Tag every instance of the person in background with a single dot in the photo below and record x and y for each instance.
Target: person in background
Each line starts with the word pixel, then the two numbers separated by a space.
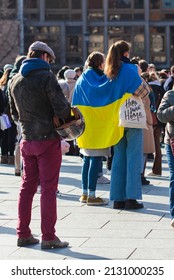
pixel 79 71
pixel 148 136
pixel 67 89
pixel 37 102
pixel 145 70
pixel 60 73
pixel 1 102
pixel 70 78
pixel 170 80
pixel 143 65
pixel 17 155
pixel 61 80
pixel 126 185
pixel 163 75
pixel 2 107
pixel 151 68
pixel 109 161
pixel 165 114
pixel 9 134
pixel 158 91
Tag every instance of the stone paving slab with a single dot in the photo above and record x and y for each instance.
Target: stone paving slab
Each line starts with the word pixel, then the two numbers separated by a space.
pixel 115 242
pixel 153 254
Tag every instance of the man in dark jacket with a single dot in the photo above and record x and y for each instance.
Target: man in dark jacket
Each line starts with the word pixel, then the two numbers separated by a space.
pixel 37 102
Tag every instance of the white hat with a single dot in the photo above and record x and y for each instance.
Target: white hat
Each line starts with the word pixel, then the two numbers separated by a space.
pixel 69 74
pixel 41 46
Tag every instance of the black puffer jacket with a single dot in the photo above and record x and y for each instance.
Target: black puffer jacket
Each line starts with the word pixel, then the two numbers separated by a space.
pixel 35 98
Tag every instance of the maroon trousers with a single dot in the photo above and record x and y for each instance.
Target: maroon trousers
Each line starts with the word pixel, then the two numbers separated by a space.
pixel 41 161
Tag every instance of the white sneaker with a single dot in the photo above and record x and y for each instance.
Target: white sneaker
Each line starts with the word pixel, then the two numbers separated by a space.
pixel 103 180
pixel 108 172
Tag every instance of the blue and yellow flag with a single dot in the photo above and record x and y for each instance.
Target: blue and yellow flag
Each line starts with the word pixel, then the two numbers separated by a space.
pixel 99 100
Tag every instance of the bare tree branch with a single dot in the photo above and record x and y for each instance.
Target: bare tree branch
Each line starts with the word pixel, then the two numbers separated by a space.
pixel 9 32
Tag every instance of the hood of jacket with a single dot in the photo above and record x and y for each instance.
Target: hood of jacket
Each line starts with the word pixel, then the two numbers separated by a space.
pixel 33 64
pixel 93 78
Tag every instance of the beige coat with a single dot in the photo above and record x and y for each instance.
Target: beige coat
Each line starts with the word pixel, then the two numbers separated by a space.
pixel 148 137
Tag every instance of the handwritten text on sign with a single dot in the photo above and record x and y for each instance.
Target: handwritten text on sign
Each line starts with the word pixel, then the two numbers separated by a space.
pixel 133 110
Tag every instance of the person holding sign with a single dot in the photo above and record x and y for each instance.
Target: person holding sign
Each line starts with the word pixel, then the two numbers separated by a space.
pixel 126 187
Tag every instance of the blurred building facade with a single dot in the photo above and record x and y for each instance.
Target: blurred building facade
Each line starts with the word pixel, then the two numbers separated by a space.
pixel 74 28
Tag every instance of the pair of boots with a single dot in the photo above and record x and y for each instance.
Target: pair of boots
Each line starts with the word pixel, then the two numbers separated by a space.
pixel 7 160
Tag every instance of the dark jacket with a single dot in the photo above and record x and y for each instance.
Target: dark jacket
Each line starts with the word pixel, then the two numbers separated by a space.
pixel 165 114
pixel 158 94
pixel 168 83
pixel 2 102
pixel 35 98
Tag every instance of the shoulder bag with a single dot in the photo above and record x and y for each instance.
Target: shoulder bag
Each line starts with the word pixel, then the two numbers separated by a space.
pixel 132 113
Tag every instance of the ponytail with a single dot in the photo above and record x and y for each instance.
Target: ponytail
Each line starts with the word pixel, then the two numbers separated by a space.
pixel 113 61
pixel 114 57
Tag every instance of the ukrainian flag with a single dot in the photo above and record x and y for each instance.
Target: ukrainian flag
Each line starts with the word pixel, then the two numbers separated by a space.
pixel 99 100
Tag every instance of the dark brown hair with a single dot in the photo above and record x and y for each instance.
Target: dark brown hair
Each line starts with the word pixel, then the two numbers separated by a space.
pixel 113 58
pixel 37 54
pixel 95 59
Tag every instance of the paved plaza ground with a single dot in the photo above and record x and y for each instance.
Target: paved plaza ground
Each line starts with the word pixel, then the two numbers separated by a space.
pixel 94 232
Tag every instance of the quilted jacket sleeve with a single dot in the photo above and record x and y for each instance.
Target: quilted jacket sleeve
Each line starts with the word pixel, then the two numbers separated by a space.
pixel 165 111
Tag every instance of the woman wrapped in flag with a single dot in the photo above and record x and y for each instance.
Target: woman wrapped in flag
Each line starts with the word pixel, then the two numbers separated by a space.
pixel 93 157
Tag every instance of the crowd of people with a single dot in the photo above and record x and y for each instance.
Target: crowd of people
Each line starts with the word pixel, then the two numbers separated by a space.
pixel 35 100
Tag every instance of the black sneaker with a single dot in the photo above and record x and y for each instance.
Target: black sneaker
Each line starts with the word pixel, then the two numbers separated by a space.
pixel 144 181
pixel 150 157
pixel 119 205
pixel 133 204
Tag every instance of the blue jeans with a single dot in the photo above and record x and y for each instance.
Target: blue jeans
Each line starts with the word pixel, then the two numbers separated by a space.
pixel 170 159
pixel 90 171
pixel 126 166
pixel 100 171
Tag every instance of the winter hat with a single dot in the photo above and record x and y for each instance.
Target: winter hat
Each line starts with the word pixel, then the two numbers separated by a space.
pixel 19 60
pixel 17 65
pixel 69 74
pixel 41 46
pixel 7 67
